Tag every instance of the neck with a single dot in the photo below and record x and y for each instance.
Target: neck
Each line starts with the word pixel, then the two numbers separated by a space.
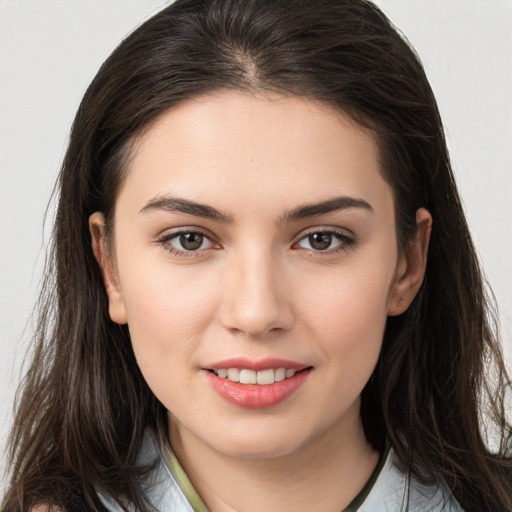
pixel 324 475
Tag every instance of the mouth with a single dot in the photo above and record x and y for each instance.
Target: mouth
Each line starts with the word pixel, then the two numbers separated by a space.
pixel 257 384
pixel 262 378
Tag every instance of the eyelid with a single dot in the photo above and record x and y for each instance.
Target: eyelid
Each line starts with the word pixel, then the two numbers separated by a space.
pixel 166 236
pixel 347 238
pixel 325 229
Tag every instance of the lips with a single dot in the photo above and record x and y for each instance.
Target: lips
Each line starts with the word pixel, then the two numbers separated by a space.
pixel 256 384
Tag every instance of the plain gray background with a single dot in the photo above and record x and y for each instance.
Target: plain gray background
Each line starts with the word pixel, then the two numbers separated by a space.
pixel 51 49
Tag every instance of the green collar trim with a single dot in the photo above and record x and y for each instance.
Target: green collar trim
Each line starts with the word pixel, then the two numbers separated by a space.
pixel 361 497
pixel 198 505
pixel 182 480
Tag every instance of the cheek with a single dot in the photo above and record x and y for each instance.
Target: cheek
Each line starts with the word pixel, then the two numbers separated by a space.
pixel 354 300
pixel 347 316
pixel 167 313
pixel 156 294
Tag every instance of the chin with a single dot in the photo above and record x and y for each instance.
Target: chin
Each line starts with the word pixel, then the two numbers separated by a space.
pixel 258 443
pixel 255 450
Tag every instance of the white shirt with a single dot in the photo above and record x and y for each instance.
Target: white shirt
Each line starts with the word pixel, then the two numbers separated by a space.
pixel 391 492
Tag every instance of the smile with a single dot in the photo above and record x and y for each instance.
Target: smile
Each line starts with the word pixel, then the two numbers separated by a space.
pixel 262 377
pixel 258 388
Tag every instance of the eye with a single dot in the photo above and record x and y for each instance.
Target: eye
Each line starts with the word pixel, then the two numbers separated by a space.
pixel 325 241
pixel 185 242
pixel 191 241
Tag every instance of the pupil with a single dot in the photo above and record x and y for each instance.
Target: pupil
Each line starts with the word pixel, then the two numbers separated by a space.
pixel 320 241
pixel 191 241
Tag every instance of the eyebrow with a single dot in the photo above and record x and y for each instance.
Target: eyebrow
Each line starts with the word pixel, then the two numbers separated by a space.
pixel 180 205
pixel 328 206
pixel 176 204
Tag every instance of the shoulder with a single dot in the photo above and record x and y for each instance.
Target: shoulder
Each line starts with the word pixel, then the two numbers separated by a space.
pixel 396 491
pixel 160 487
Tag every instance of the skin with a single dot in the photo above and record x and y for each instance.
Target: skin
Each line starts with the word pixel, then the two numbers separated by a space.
pixel 257 288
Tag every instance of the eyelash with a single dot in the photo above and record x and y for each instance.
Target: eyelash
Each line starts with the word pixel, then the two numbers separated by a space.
pixel 346 241
pixel 165 239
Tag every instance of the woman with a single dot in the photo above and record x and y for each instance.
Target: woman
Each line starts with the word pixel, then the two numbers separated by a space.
pixel 266 295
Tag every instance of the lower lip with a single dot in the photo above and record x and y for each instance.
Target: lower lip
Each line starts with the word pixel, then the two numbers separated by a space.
pixel 254 396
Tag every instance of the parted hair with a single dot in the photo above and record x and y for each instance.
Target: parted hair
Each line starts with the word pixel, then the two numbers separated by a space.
pixel 437 393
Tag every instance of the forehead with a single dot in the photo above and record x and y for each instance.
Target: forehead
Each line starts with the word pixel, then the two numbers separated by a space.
pixel 237 147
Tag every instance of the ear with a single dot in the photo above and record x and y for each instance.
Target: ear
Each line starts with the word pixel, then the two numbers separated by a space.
pixel 411 266
pixel 116 306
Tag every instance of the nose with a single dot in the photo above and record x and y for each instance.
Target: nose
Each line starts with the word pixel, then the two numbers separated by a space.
pixel 256 299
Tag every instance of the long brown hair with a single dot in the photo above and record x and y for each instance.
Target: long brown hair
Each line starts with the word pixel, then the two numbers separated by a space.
pixel 84 404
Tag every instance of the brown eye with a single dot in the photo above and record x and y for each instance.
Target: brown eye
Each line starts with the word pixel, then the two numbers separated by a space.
pixel 186 242
pixel 326 241
pixel 320 241
pixel 191 241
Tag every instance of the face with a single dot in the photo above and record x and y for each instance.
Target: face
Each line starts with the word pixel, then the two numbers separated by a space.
pixel 254 240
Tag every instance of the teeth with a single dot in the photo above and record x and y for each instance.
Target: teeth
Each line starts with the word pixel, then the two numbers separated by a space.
pixel 263 377
pixel 266 377
pixel 247 377
pixel 279 374
pixel 233 374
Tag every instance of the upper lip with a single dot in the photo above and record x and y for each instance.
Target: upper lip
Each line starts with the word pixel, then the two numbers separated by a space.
pixel 256 365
